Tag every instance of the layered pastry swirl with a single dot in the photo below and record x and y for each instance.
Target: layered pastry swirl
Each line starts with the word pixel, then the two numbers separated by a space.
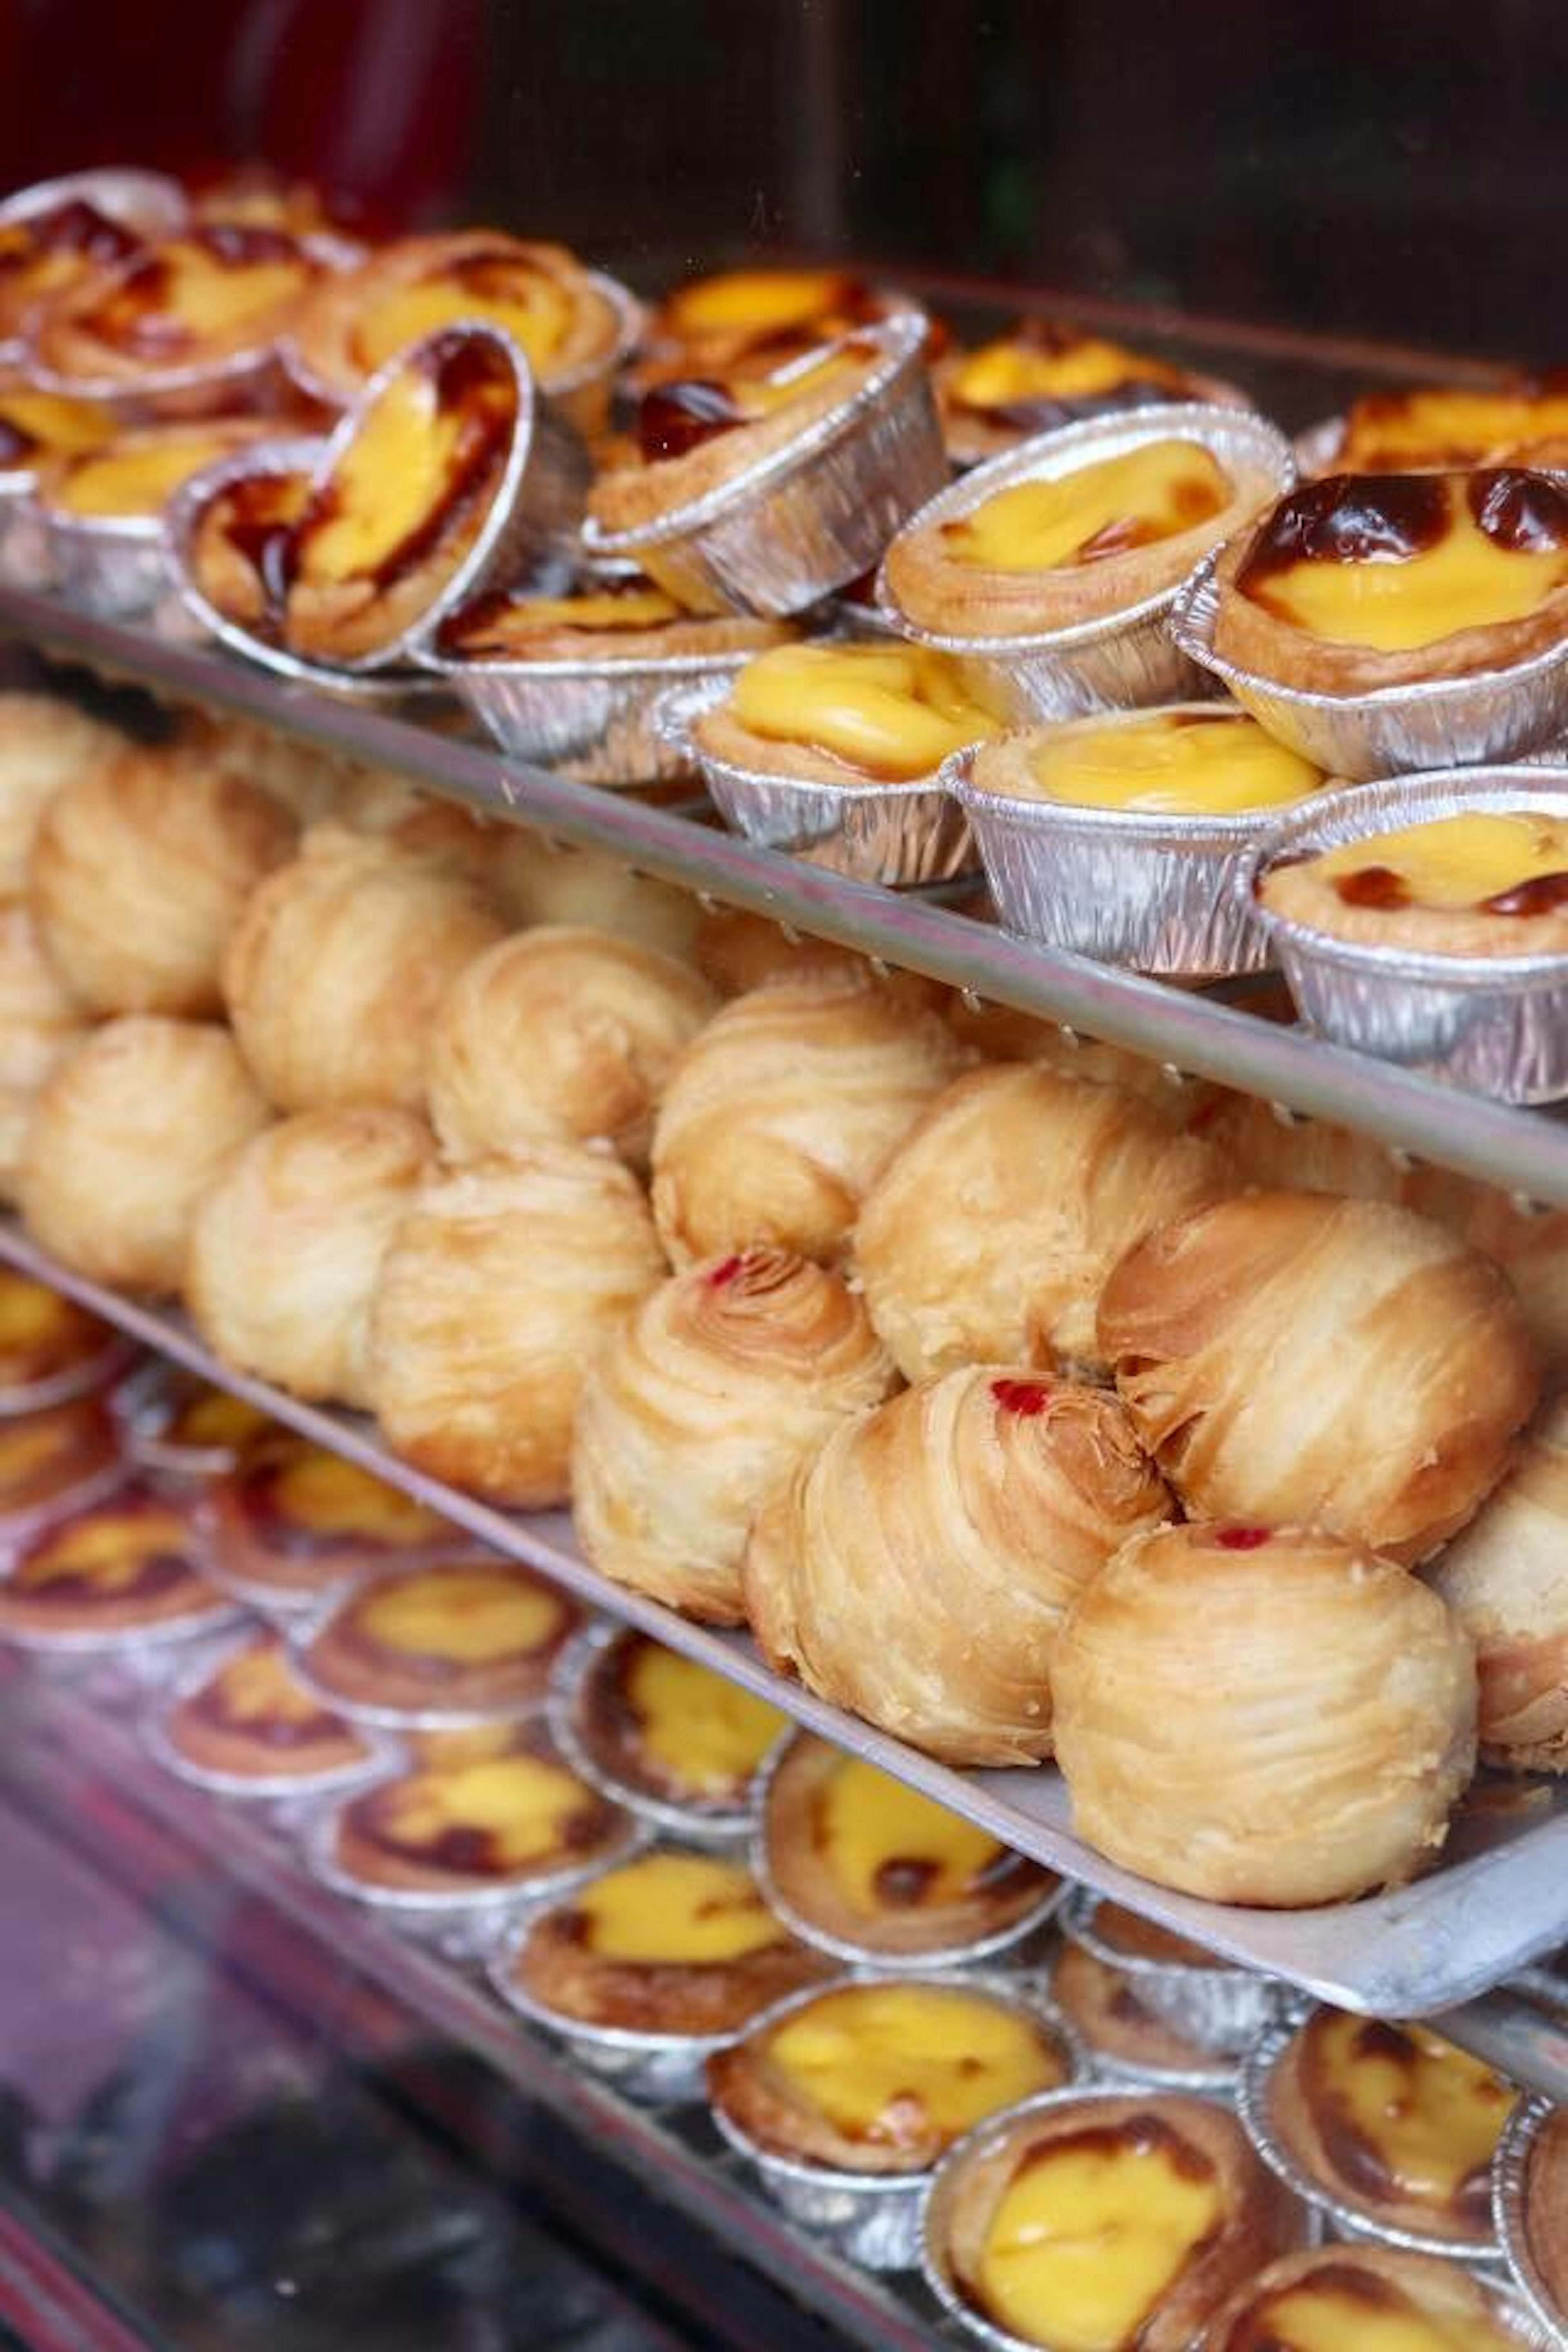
pixel 1485 882
pixel 293 1519
pixel 470 1636
pixel 127 1564
pixel 493 1825
pixel 1195 759
pixel 1044 374
pixel 251 1719
pixel 655 1726
pixel 191 304
pixel 1355 2296
pixel 845 714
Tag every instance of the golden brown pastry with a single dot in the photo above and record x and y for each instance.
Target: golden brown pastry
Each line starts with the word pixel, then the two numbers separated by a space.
pixel 500 1285
pixel 1479 883
pixel 139 873
pixel 785 1111
pixel 1531 1247
pixel 730 1374
pixel 560 1033
pixel 1000 1033
pixel 44 743
pixel 1299 1361
pixel 1443 424
pixel 513 1824
pixel 285 1247
pixel 1337 2294
pixel 201 298
pixel 338 967
pixel 465 1636
pixel 40 1020
pixel 1045 373
pixel 991 1232
pixel 1274 1149
pixel 1505 1577
pixel 918 1567
pixel 305 779
pixel 752 315
pixel 376 801
pixel 541 881
pixel 739 951
pixel 1118 2221
pixel 1278 1717
pixel 291 1520
pixel 1126 2034
pixel 125 1565
pixel 125 1136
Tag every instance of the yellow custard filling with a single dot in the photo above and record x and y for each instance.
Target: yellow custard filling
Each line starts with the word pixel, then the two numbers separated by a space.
pixel 1468 580
pixel 69 428
pixel 391 476
pixel 1456 861
pixel 891 2062
pixel 999 375
pixel 761 301
pixel 533 309
pixel 214 297
pixel 1134 500
pixel 706 1734
pixel 112 1553
pixel 676 1910
pixel 521 1804
pixel 259 1686
pixel 136 478
pixel 1432 2113
pixel 1090 2234
pixel 1446 422
pixel 888 711
pixel 1173 763
pixel 1370 2316
pixel 469 1615
pixel 332 1497
pixel 885 1846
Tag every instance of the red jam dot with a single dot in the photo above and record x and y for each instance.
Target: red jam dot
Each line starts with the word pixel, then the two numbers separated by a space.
pixel 725 1273
pixel 1021 1396
pixel 1242 1538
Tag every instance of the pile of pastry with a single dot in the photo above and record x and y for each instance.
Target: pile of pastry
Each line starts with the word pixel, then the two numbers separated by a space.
pixel 1021 1401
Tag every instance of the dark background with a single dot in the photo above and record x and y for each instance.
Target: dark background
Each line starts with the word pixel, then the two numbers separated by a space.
pixel 1388 168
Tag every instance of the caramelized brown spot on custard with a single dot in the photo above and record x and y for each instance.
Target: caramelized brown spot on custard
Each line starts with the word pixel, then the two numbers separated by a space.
pixel 674 418
pixel 1348 519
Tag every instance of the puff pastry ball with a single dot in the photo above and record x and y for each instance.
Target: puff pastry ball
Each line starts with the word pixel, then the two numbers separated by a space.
pixel 785 1111
pixel 44 745
pixel 1296 1360
pixel 309 782
pixel 991 1233
pixel 1272 1718
pixel 539 881
pixel 1000 1033
pixel 1531 1247
pixel 1506 1579
pixel 129 1132
pixel 738 950
pixel 375 801
pixel 500 1286
pixel 285 1248
pixel 726 1378
pixel 339 964
pixel 918 1568
pixel 40 1020
pixel 560 1032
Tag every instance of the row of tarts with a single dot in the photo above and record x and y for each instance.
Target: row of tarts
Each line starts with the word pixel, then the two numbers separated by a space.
pixel 1024 1410
pixel 930 2050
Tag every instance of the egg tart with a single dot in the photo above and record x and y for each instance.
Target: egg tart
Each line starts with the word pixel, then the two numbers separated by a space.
pixel 664 1734
pixel 54 1459
pixel 873 1870
pixel 1387 2127
pixel 132 1564
pixel 1044 374
pixel 1487 882
pixel 57 234
pixel 237 541
pixel 1364 2298
pixel 466 1637
pixel 755 317
pixel 181 1426
pixel 1113 2222
pixel 1122 2034
pixel 294 1519
pixel 1521 422
pixel 130 478
pixel 1195 759
pixel 248 1723
pixel 512 1824
pixel 38 426
pixel 50 1348
pixel 1216 2007
pixel 629 620
pixel 1358 582
pixel 878 2078
pixel 845 714
pixel 1535 2208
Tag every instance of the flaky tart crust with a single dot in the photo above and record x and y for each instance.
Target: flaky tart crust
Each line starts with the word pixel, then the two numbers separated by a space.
pixel 345 1657
pixel 165 1583
pixel 206 1730
pixel 590 1830
pixel 1301 892
pixel 1366 2279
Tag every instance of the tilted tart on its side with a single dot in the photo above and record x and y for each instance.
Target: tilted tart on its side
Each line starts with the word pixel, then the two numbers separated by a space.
pixel 846 714
pixel 627 620
pixel 132 1562
pixel 1043 373
pixel 251 1718
pixel 471 1634
pixel 241 547
pixel 205 298
pixel 1490 882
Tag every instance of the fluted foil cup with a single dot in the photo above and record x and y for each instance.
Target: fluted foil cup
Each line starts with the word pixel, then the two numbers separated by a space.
pixel 1221 2009
pixel 1511 2184
pixel 1495 1025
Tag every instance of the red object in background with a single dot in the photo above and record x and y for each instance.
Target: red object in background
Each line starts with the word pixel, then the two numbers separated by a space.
pixel 375 100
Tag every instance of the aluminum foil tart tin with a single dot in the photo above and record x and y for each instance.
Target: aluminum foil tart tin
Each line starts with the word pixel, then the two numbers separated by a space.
pixel 1253 2105
pixel 873 2219
pixel 894 833
pixel 95 1372
pixel 110 564
pixel 693 1825
pixel 1128 658
pixel 779 535
pixel 1496 1024
pixel 144 1404
pixel 269 1785
pixel 294 1609
pixel 1445 722
pixel 1221 2009
pixel 18 1527
pixel 1158 893
pixel 1510 2181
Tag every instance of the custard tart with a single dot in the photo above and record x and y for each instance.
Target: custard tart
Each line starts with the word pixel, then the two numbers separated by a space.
pixel 1119 2030
pixel 1521 422
pixel 629 619
pixel 37 426
pixel 1355 2297
pixel 755 317
pixel 1044 374
pixel 294 1519
pixel 183 1427
pixel 1484 882
pixel 131 477
pixel 666 1735
pixel 1191 759
pixel 846 714
pixel 54 236
pixel 132 1564
pixel 466 1638
pixel 55 1459
pixel 50 1348
pixel 248 1723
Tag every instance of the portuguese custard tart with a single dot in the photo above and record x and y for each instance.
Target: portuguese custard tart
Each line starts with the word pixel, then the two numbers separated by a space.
pixel 1191 759
pixel 46 254
pixel 883 2077
pixel 755 317
pixel 250 1719
pixel 629 620
pixel 1043 373
pixel 1386 2121
pixel 1113 2222
pixel 238 544
pixel 293 1520
pixel 1542 2219
pixel 36 427
pixel 1362 581
pixel 1354 2296
pixel 132 477
pixel 513 1824
pixel 1217 2006
pixel 1121 2033
pixel 181 1426
pixel 1491 882
pixel 55 1458
pixel 470 1636
pixel 1521 422
pixel 669 1943
pixel 130 1564
pixel 873 1870
pixel 668 1736
pixel 50 1348
pixel 845 714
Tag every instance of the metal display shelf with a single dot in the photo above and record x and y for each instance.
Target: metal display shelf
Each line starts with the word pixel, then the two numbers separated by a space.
pixel 1524 1151
pixel 1497 1903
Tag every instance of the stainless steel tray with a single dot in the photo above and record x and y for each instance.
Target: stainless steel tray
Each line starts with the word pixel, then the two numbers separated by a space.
pixel 1499 1901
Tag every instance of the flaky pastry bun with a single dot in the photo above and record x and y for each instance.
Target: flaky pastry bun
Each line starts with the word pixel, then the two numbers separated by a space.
pixel 44 745
pixel 375 801
pixel 1300 1360
pixel 1000 1033
pixel 539 881
pixel 40 1020
pixel 786 1110
pixel 561 1032
pixel 308 780
pixel 722 1382
pixel 989 1235
pixel 139 874
pixel 337 966
pixel 1278 1718
pixel 285 1247
pixel 500 1286
pixel 918 1567
pixel 125 1136
pixel 739 951
pixel 1531 1247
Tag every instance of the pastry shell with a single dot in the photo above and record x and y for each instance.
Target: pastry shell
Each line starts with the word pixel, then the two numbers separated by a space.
pixel 274 1560
pixel 69 1354
pixel 974 431
pixel 230 1761
pixel 1125 2039
pixel 41 1618
pixel 1218 2009
pixel 425 1690
pixel 144 204
pixel 1436 2290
